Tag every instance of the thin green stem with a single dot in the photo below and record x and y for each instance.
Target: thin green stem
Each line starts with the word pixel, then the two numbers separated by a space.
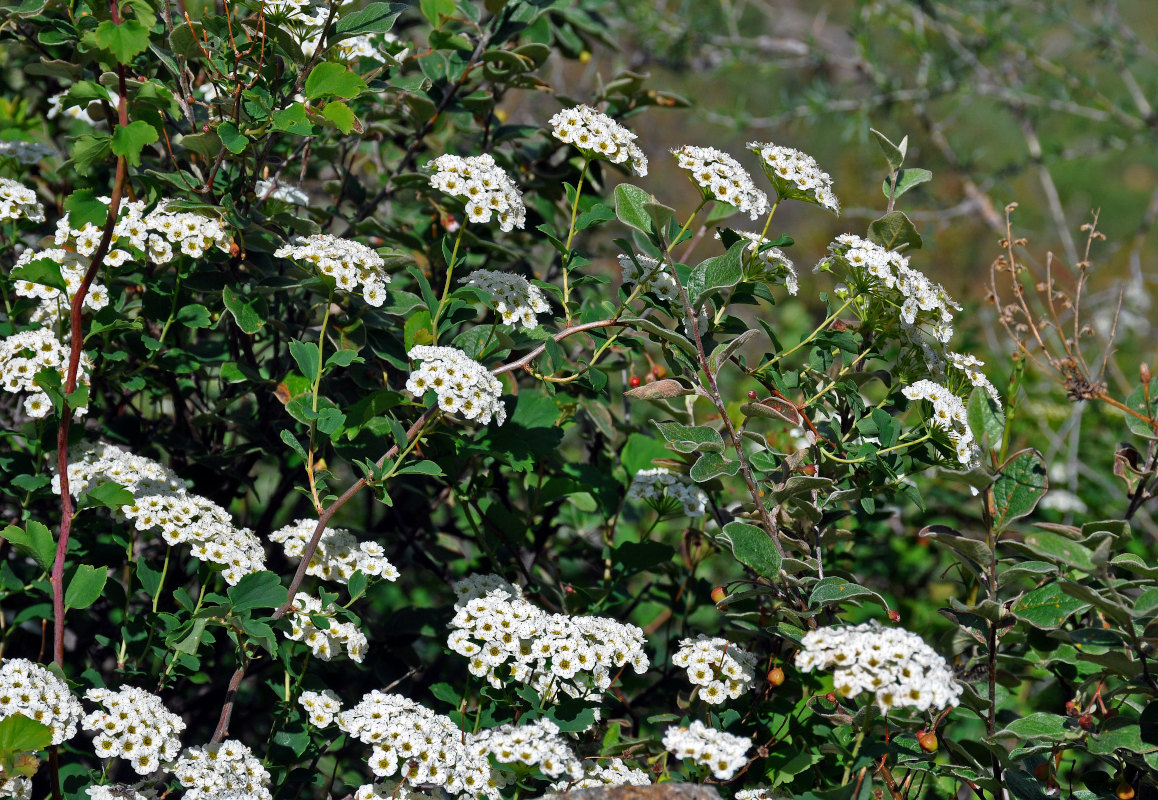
pixel 570 238
pixel 810 337
pixel 442 301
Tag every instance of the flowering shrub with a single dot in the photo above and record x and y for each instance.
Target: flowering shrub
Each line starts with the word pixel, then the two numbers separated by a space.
pixel 519 598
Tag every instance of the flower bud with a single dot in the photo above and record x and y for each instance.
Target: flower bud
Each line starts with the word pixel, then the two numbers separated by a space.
pixel 1144 373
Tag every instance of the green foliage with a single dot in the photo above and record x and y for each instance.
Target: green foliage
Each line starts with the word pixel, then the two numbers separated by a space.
pixel 614 452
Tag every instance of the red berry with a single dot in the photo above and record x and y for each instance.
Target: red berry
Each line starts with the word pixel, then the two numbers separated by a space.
pixel 1071 707
pixel 894 615
pixel 634 381
pixel 752 394
pixel 719 594
pixel 1086 722
pixel 928 742
pixel 775 676
pixel 831 697
pixel 568 589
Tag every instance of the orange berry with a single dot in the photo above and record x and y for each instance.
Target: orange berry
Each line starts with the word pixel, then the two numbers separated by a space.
pixel 775 676
pixel 719 594
pixel 928 742
pixel 1124 791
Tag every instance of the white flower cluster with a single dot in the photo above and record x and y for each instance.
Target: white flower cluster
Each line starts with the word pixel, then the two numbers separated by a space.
pixel 759 793
pixel 321 707
pixel 948 415
pixel 886 274
pixel 495 626
pixel 721 670
pixel 650 275
pixel 134 725
pixel 613 773
pixel 32 690
pixel 536 744
pixel 118 791
pixel 24 152
pixel 720 177
pixel 55 305
pixel 285 192
pixel 17 201
pixel 597 135
pixel 385 791
pixel 17 787
pixel 338 555
pixel 347 262
pixel 160 500
pixel 428 746
pixel 484 186
pixel 971 366
pixel 26 353
pixel 894 664
pixel 516 299
pixel 463 385
pixel 768 262
pixel 722 753
pixel 324 642
pixel 653 484
pixel 224 771
pixel 158 234
pixel 796 175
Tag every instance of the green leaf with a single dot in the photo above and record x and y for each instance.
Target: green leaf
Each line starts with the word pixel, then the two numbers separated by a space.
pixel 724 351
pixel 630 202
pixel 234 141
pixel 906 179
pixel 245 311
pixel 1047 607
pixel 1144 400
pixel 19 734
pixel 833 591
pixel 421 468
pixel 1119 733
pixel 83 207
pixel 374 18
pixel 194 315
pixel 1021 482
pixel 712 465
pixel 689 439
pixel 638 556
pixel 973 549
pixel 257 590
pixel 86 586
pixel 894 154
pixel 986 419
pixel 110 495
pixel 129 140
pixel 342 117
pixel 89 150
pixel 36 541
pixel 44 271
pixel 294 444
pixel 1058 549
pixel 293 120
pixel 435 10
pixel 343 358
pixel 753 548
pixel 307 357
pixel 720 272
pixel 329 79
pixel 1039 725
pixel 895 231
pixel 124 40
